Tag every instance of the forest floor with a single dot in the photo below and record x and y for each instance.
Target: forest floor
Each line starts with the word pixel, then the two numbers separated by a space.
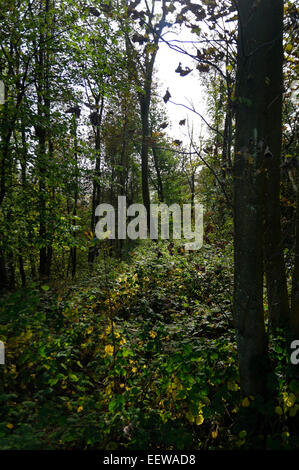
pixel 140 355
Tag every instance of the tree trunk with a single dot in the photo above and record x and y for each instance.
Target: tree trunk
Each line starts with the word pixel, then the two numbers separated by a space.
pixel 76 191
pixel 3 275
pixel 159 179
pixel 42 131
pixel 22 271
pixel 227 141
pixel 294 317
pixel 277 292
pixel 256 38
pixel 144 110
pixel 96 184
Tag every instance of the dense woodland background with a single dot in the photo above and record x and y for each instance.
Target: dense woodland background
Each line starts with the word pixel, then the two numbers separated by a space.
pixel 139 344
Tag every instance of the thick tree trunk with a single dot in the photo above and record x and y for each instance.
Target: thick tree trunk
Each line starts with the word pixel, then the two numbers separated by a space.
pixel 274 259
pixel 256 37
pixel 294 318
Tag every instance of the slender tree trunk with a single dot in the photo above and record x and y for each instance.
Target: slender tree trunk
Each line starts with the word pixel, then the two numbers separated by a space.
pixel 32 267
pixel 6 133
pixel 43 129
pixel 227 141
pixel 9 117
pixel 3 275
pixel 22 271
pixel 76 190
pixel 123 173
pixel 42 206
pixel 159 179
pixel 145 99
pixel 144 110
pixel 145 103
pixel 11 270
pixel 96 191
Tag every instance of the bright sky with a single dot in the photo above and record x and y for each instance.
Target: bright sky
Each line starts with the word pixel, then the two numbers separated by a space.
pixel 184 90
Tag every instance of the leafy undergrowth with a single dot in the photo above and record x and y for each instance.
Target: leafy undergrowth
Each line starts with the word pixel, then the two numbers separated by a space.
pixel 140 356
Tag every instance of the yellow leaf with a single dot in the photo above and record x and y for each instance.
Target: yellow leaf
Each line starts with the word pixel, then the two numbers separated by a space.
pixel 214 434
pixel 190 417
pixel 156 134
pixel 289 399
pixel 278 410
pixel 9 425
pixel 246 402
pixel 109 349
pixel 199 420
pixel 240 442
pixel 293 410
pixel 232 386
pixel 289 47
pixel 79 409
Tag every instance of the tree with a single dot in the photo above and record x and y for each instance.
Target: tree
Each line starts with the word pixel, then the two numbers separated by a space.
pixel 278 302
pixel 141 65
pixel 294 317
pixel 260 37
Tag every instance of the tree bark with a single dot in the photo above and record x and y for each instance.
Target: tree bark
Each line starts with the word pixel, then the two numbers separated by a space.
pixel 159 179
pixel 43 132
pixel 256 38
pixel 294 316
pixel 277 293
pixel 145 100
pixel 96 190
